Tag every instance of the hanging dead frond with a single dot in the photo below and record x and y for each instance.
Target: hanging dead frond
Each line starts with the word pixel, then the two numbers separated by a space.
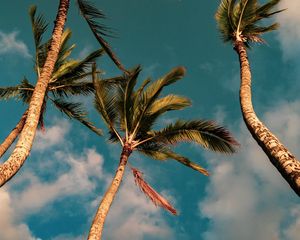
pixel 154 196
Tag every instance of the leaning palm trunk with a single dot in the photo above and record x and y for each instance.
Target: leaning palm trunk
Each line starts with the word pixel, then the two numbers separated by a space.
pixel 24 144
pixel 13 134
pixel 98 222
pixel 281 158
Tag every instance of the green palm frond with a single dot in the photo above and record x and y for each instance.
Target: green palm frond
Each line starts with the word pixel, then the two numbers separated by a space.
pixel 105 101
pixel 75 111
pixel 91 14
pixel 65 50
pixel 74 68
pixel 238 20
pixel 168 103
pixel 159 107
pixel 9 92
pixel 65 90
pixel 26 91
pixel 225 19
pixel 41 55
pixel 160 152
pixel 129 100
pixel 206 133
pixel 39 26
pixel 152 92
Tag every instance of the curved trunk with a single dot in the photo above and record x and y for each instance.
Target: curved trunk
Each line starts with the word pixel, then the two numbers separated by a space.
pixel 281 158
pixel 23 146
pixel 13 134
pixel 99 219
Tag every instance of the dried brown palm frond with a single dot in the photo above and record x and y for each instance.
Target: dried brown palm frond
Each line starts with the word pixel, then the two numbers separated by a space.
pixel 154 196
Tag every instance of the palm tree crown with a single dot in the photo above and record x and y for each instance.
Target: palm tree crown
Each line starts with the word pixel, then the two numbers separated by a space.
pixel 135 112
pixel 130 115
pixel 238 20
pixel 69 77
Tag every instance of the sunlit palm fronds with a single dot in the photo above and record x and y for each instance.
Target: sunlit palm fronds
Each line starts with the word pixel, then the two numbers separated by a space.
pixel 241 19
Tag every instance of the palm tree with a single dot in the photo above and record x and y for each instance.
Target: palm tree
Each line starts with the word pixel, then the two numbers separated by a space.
pixel 130 116
pixel 62 84
pixel 11 166
pixel 238 22
pixel 67 79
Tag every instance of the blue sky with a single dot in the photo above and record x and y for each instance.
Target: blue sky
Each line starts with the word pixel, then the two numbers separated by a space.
pixel 56 193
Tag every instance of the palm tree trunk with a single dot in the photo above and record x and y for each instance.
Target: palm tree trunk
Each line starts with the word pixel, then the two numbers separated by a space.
pixel 24 144
pixel 281 158
pixel 99 219
pixel 13 134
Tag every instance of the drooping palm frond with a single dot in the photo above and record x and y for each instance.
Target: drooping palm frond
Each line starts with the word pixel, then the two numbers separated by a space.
pixel 240 19
pixel 206 133
pixel 154 196
pixel 75 111
pixel 160 151
pixel 42 55
pixel 26 91
pixel 105 102
pixel 91 14
pixel 65 90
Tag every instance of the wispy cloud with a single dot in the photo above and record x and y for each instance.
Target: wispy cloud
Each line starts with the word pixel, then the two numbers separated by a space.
pixel 9 44
pixel 246 197
pixel 289 31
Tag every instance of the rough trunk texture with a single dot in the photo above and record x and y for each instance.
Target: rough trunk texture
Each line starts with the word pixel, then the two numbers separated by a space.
pixel 9 168
pixel 99 219
pixel 13 134
pixel 281 158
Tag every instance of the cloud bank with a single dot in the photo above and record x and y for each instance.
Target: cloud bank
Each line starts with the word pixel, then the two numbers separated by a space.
pixel 74 176
pixel 289 31
pixel 246 197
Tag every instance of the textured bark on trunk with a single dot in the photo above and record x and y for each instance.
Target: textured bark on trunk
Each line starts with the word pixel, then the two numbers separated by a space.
pixel 13 134
pixel 99 219
pixel 9 168
pixel 281 158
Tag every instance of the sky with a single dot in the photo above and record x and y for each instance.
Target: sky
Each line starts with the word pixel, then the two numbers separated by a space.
pixel 56 193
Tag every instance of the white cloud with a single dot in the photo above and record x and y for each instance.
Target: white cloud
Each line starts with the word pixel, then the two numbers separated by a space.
pixel 10 225
pixel 246 197
pixel 52 135
pixel 293 230
pixel 132 214
pixel 289 31
pixel 76 181
pixel 10 44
